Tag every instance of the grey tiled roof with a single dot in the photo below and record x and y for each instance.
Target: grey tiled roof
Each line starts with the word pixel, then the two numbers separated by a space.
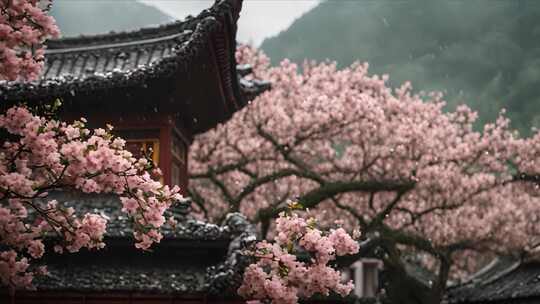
pixel 118 60
pixel 84 61
pixel 194 257
pixel 82 65
pixel 123 278
pixel 120 225
pixel 509 282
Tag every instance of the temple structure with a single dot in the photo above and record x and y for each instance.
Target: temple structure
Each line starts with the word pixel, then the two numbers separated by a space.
pixel 158 87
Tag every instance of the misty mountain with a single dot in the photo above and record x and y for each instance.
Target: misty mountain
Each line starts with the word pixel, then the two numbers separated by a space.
pixel 76 17
pixel 484 52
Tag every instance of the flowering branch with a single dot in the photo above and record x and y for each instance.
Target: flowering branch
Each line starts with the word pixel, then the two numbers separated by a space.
pixel 280 277
pixel 41 155
pixel 24 26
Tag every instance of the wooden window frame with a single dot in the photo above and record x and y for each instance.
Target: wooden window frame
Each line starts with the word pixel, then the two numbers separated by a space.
pixel 154 141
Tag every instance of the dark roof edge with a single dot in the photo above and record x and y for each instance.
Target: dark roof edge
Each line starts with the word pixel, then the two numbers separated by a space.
pixel 239 96
pixel 38 296
pixel 479 279
pixel 172 242
pixel 225 278
pixel 226 58
pixel 63 87
pixel 144 33
pixel 489 273
pixel 206 26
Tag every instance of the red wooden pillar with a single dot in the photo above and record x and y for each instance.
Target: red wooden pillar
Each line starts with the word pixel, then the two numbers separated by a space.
pixel 165 158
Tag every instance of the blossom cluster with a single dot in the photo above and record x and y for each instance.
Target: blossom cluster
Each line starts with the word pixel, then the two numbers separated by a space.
pixel 24 26
pixel 40 155
pixel 282 276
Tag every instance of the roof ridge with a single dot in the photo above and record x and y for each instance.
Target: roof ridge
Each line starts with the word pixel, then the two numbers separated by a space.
pixel 116 44
pixel 478 279
pixel 144 33
pixel 513 266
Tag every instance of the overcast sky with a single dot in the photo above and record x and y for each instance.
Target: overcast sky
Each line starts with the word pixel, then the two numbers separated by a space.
pixel 259 18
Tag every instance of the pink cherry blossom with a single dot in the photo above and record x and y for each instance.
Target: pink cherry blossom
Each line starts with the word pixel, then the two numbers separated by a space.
pixel 278 276
pixel 43 155
pixel 24 26
pixel 36 249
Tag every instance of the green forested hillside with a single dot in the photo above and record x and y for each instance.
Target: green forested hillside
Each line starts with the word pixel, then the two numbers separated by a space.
pixel 75 17
pixel 483 52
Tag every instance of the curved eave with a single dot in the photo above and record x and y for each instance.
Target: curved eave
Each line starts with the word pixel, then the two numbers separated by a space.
pixel 214 28
pixel 222 47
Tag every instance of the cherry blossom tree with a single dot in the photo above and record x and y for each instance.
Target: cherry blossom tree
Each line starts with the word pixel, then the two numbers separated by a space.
pixel 416 180
pixel 24 26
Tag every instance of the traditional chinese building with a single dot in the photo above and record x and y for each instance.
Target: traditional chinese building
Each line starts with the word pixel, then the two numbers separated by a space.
pixel 159 87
